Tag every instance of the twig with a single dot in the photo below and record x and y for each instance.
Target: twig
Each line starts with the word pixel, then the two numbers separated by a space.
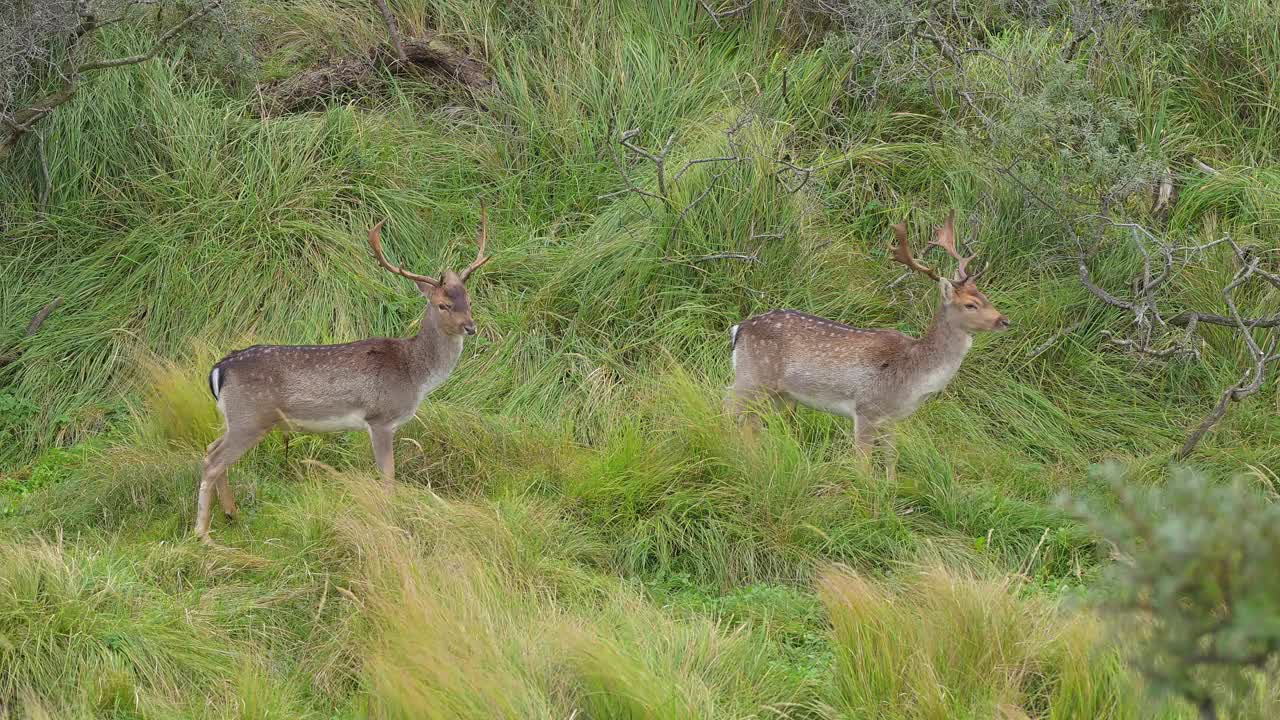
pixel 732 12
pixel 1241 389
pixel 46 184
pixel 32 328
pixel 1205 168
pixel 701 196
pixel 393 30
pixel 1164 192
pixel 25 119
pixel 726 256
pixel 1044 347
pixel 659 160
pixel 805 174
pixel 38 320
pixel 164 40
pixel 691 163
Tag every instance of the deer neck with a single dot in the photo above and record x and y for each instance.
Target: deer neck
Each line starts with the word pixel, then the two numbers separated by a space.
pixel 433 351
pixel 938 353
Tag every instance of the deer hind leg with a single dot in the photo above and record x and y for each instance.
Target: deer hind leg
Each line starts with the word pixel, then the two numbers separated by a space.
pixel 738 404
pixel 383 438
pixel 223 453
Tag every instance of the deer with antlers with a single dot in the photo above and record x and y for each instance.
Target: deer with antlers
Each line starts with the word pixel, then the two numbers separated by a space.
pixel 374 385
pixel 872 376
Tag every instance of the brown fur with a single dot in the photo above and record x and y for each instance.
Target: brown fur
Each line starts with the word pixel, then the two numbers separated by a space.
pixel 374 384
pixel 872 376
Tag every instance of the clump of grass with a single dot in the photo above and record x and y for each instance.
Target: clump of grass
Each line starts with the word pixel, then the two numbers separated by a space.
pixel 943 643
pixel 577 528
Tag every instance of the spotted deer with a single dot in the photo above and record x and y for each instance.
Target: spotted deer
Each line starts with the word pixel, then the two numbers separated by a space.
pixel 873 376
pixel 374 385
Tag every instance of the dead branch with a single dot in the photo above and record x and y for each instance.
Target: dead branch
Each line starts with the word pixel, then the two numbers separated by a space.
pixel 25 119
pixel 716 15
pixel 804 172
pixel 392 29
pixel 1205 168
pixel 428 54
pixel 46 182
pixel 727 256
pixel 1042 348
pixel 1149 323
pixel 1164 193
pixel 1149 327
pixel 32 328
pixel 659 161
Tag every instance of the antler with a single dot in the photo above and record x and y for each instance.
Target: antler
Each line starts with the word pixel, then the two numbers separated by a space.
pixel 375 241
pixel 481 258
pixel 902 253
pixel 945 238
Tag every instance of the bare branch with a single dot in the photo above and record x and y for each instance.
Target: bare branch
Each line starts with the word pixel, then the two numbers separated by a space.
pixel 727 256
pixel 732 12
pixel 23 120
pixel 392 29
pixel 804 172
pixel 1251 382
pixel 46 183
pixel 701 196
pixel 691 163
pixel 32 328
pixel 36 322
pixel 1205 168
pixel 158 46
pixel 1044 347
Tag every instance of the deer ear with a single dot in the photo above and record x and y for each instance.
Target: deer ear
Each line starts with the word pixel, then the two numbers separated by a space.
pixel 948 289
pixel 425 288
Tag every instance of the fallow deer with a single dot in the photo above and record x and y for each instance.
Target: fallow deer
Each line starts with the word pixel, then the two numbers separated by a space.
pixel 872 376
pixel 374 385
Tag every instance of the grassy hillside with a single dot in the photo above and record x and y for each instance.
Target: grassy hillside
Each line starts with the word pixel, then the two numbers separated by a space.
pixel 577 530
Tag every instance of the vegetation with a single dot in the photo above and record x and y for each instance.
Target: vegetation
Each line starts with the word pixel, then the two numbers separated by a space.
pixel 577 530
pixel 1194 576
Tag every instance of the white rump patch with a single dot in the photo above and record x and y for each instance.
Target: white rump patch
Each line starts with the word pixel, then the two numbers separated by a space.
pixel 214 385
pixel 733 335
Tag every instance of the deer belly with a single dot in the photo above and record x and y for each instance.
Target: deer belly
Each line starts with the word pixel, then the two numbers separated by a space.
pixel 335 423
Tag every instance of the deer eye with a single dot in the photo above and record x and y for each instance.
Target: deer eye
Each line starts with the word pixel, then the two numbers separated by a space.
pixel 970 306
pixel 442 306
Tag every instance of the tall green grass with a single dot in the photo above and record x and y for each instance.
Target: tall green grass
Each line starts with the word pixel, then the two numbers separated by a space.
pixel 578 528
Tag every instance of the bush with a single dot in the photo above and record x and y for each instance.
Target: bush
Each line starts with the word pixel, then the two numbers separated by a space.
pixel 1195 571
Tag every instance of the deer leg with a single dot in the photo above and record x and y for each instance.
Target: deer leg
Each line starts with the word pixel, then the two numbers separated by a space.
pixel 225 452
pixel 383 438
pixel 212 446
pixel 890 455
pixel 738 405
pixel 225 496
pixel 864 431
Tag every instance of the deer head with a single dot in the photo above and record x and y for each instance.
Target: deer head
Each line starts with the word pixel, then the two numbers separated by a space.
pixel 962 303
pixel 448 295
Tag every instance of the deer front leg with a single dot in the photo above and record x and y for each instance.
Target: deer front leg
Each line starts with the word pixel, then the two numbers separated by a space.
pixel 383 439
pixel 887 441
pixel 864 431
pixel 738 406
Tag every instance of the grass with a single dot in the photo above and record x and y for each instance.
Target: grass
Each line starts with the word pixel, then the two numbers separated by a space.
pixel 577 531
